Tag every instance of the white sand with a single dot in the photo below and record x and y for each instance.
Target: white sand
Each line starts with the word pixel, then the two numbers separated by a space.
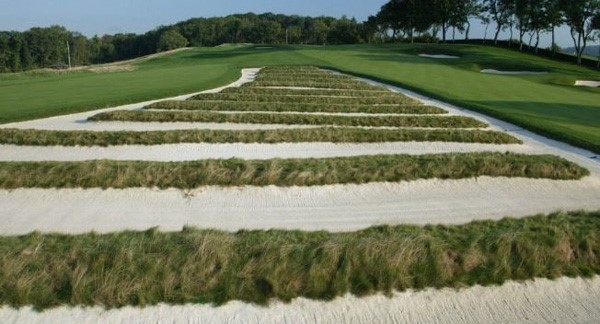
pixel 334 208
pixel 439 56
pixel 190 152
pixel 492 71
pixel 583 83
pixel 566 300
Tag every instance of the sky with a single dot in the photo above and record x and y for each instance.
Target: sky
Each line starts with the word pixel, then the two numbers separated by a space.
pixel 101 17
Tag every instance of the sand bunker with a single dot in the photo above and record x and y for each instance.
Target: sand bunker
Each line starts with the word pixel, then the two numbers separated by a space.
pixel 492 71
pixel 584 83
pixel 439 56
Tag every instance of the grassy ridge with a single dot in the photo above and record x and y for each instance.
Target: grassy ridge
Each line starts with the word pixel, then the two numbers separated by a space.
pixel 388 99
pixel 282 172
pixel 325 134
pixel 205 266
pixel 310 92
pixel 291 106
pixel 290 119
pixel 352 85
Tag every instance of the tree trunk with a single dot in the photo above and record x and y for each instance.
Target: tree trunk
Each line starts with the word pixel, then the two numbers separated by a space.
pixel 443 32
pixel 467 31
pixel 485 33
pixel 537 41
pixel 453 33
pixel 521 34
pixel 553 41
pixel 497 33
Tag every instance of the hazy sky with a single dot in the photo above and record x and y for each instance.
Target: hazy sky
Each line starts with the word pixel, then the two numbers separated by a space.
pixel 138 16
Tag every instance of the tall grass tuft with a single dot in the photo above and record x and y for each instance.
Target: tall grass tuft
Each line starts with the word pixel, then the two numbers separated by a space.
pixel 325 134
pixel 207 266
pixel 290 119
pixel 282 172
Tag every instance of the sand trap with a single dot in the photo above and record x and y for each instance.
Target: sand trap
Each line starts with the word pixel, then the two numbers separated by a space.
pixel 334 208
pixel 492 71
pixel 439 56
pixel 592 84
pixel 254 151
pixel 565 300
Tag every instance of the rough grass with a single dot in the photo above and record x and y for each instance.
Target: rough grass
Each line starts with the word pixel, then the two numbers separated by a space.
pixel 283 172
pixel 290 119
pixel 206 266
pixel 310 92
pixel 291 106
pixel 324 134
pixel 307 83
pixel 389 99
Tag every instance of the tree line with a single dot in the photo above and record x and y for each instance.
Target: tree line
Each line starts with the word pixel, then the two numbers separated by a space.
pixel 47 47
pixel 402 19
pixel 398 20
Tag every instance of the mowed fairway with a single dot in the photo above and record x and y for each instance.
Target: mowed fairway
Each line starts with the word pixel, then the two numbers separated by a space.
pixel 547 103
pixel 293 149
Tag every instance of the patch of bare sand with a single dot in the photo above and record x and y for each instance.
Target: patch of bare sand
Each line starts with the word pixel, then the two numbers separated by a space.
pixel 254 151
pixel 566 300
pixel 584 83
pixel 335 208
pixel 492 71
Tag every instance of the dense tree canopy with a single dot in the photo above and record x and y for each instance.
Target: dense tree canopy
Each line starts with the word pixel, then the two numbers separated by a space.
pixel 47 47
pixel 397 20
pixel 531 17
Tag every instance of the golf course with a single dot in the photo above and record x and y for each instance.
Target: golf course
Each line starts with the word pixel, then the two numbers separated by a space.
pixel 296 177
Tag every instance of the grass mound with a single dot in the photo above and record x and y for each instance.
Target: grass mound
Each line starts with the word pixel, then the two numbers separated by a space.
pixel 290 119
pixel 204 266
pixel 282 172
pixel 389 99
pixel 215 105
pixel 324 134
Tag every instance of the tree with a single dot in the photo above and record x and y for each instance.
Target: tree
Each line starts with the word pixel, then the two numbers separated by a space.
pixel 578 16
pixel 501 12
pixel 344 31
pixel 171 39
pixel 595 25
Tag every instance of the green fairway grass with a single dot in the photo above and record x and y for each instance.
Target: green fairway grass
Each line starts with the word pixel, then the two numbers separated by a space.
pixel 544 103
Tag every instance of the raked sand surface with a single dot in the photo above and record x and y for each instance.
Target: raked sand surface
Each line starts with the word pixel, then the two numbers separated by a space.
pixel 335 208
pixel 566 300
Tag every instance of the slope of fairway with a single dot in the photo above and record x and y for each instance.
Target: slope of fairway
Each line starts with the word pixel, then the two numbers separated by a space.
pixel 546 103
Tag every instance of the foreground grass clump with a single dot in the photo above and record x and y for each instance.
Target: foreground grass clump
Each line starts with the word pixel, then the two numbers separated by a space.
pixel 206 266
pixel 282 172
pixel 292 106
pixel 290 119
pixel 325 134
